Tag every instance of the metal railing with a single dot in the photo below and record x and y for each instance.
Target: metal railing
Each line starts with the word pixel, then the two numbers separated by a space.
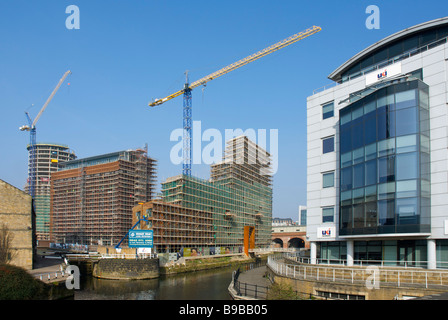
pixel 250 290
pixel 257 250
pixel 397 277
pixel 247 289
pixel 363 263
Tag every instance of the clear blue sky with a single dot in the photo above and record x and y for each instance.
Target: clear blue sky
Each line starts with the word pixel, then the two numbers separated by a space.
pixel 129 52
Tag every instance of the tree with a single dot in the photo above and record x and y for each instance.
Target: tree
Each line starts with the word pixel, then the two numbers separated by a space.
pixel 6 251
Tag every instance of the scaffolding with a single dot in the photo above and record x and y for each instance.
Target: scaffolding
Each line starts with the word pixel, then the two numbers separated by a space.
pixel 238 194
pixel 176 228
pixel 92 198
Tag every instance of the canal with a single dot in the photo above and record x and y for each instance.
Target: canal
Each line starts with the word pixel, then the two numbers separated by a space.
pixel 200 285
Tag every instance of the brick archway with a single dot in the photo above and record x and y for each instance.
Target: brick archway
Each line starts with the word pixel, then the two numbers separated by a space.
pixel 288 238
pixel 277 242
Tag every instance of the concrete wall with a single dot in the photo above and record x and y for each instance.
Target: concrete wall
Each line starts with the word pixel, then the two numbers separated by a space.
pixel 307 287
pixel 318 162
pixel 16 214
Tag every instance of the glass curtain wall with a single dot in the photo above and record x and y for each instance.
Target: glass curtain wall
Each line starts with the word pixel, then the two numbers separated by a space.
pixel 384 162
pixel 400 47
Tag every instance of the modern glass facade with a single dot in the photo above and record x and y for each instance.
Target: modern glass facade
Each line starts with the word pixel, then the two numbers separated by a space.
pixel 387 252
pixel 403 46
pixel 384 162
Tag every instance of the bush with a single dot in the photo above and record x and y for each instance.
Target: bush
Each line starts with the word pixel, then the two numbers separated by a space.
pixel 17 284
pixel 282 291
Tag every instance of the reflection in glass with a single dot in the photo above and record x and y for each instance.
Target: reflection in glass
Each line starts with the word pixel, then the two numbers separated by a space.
pixel 386 212
pixel 328 179
pixel 407 165
pixel 407 211
pixel 386 169
pixel 385 162
pixel 328 145
pixel 358 175
pixel 407 143
pixel 407 123
pixel 327 110
pixel 327 214
pixel 346 179
pixel 371 172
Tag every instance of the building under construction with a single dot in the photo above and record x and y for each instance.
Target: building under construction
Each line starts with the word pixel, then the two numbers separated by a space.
pixel 49 158
pixel 176 228
pixel 234 207
pixel 92 198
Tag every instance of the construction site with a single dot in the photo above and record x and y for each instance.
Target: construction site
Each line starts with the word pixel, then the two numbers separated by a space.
pixel 92 198
pixel 230 213
pixel 238 195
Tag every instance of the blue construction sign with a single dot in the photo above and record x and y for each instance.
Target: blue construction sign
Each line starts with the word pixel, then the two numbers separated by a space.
pixel 140 239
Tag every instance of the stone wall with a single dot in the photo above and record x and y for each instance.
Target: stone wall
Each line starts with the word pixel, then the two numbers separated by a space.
pixel 126 269
pixel 16 213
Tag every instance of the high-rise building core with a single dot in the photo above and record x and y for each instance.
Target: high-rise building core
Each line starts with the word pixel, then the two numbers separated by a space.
pixel 49 157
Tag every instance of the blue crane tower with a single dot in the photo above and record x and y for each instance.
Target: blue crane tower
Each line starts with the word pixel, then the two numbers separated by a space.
pixel 187 97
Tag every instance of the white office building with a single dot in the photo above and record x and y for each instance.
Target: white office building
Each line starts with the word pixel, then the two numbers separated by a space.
pixel 377 152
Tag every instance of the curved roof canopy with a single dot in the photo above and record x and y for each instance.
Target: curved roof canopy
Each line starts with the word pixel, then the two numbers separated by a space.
pixel 392 46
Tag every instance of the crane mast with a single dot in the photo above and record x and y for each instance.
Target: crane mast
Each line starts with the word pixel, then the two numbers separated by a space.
pixel 31 127
pixel 186 91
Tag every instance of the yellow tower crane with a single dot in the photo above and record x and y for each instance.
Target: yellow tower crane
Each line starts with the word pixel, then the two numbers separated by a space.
pixel 186 91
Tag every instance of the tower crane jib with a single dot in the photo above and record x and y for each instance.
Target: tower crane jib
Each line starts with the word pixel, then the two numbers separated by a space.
pixel 186 91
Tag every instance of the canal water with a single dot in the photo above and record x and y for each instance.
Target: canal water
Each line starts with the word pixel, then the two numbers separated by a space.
pixel 200 285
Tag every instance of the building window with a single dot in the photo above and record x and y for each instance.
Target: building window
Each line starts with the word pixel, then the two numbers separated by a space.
pixel 384 180
pixel 328 214
pixel 328 179
pixel 303 217
pixel 328 145
pixel 327 110
pixel 386 169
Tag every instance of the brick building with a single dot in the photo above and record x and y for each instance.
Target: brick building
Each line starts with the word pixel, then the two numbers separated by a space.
pixel 92 198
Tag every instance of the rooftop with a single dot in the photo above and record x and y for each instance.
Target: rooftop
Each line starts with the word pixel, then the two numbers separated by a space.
pixel 393 40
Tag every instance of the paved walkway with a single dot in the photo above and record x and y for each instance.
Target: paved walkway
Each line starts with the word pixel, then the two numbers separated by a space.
pixel 255 277
pixel 251 285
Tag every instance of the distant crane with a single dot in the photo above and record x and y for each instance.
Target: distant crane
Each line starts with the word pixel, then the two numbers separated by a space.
pixel 31 127
pixel 186 91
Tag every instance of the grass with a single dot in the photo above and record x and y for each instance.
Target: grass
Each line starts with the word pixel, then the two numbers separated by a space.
pixel 283 291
